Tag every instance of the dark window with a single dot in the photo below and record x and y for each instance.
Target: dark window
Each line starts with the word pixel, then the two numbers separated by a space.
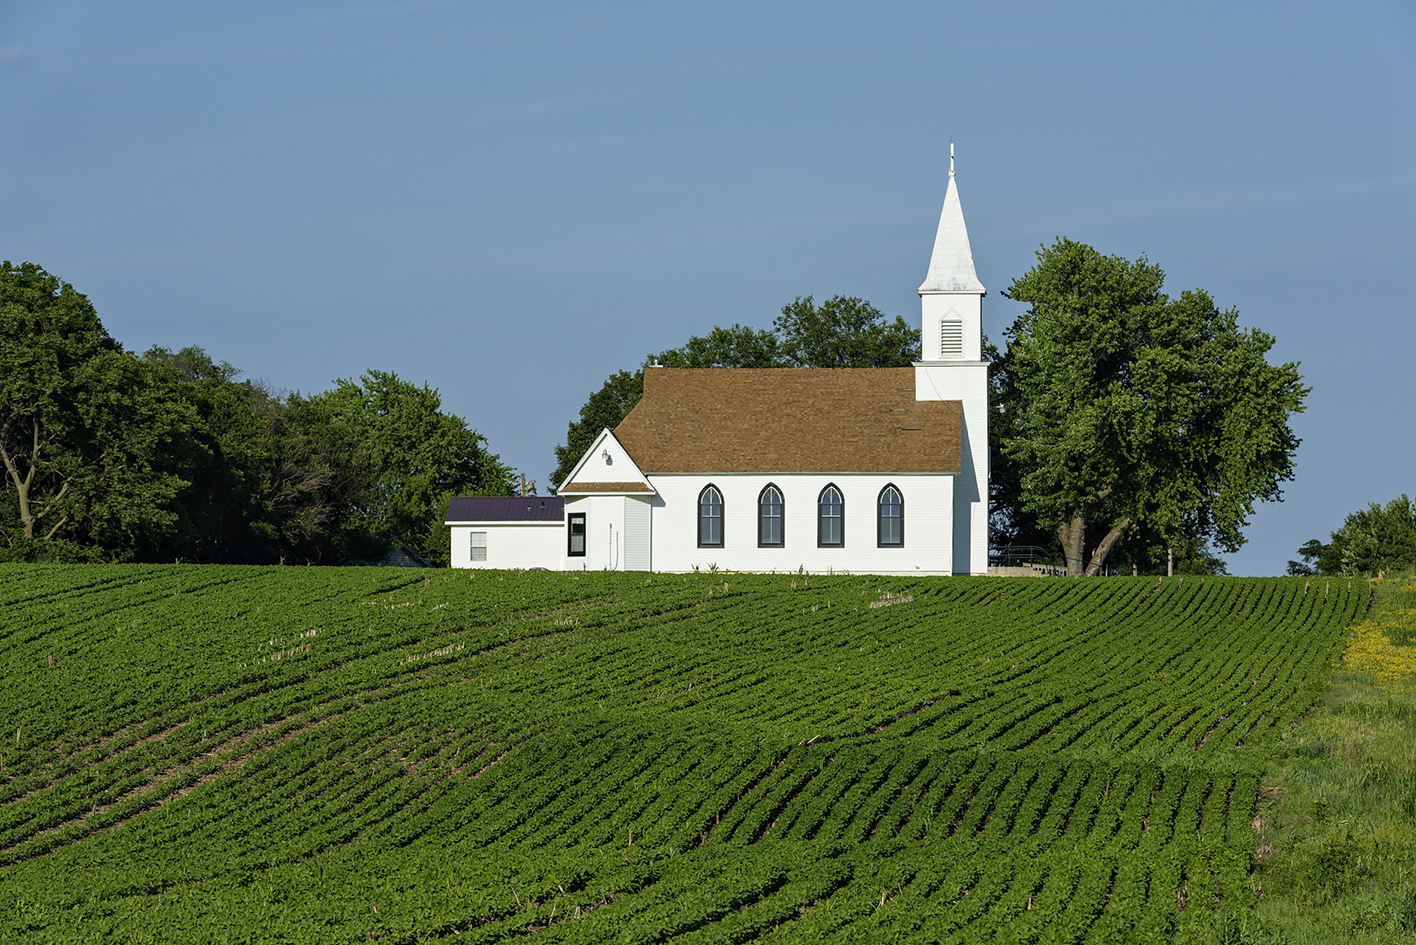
pixel 769 518
pixel 891 529
pixel 710 518
pixel 577 535
pixel 830 518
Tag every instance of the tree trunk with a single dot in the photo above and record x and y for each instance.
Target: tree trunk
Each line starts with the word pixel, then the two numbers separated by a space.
pixel 21 483
pixel 1072 534
pixel 1104 549
pixel 28 517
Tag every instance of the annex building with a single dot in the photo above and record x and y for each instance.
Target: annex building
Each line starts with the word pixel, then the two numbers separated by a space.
pixel 880 470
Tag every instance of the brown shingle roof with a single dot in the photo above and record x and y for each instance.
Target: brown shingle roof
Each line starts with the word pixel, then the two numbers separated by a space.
pixel 605 487
pixel 790 420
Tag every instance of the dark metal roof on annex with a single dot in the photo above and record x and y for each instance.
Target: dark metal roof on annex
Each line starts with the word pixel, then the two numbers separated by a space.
pixel 528 508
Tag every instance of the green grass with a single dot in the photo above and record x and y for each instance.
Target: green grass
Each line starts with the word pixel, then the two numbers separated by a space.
pixel 1337 861
pixel 343 755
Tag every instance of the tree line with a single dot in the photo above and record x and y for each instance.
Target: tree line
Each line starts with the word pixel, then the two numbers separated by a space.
pixel 1130 431
pixel 173 456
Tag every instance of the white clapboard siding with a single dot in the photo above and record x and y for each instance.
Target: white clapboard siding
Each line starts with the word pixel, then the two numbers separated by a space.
pixel 512 545
pixel 928 529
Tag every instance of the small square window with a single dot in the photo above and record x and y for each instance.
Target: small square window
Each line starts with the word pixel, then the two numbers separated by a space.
pixel 479 546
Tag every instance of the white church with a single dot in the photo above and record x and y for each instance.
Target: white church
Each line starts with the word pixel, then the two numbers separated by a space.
pixel 879 471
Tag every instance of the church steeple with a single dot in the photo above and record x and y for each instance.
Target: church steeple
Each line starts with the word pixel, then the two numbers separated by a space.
pixel 951 267
pixel 951 367
pixel 951 298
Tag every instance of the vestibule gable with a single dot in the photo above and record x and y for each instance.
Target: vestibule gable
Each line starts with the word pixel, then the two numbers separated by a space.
pixel 606 468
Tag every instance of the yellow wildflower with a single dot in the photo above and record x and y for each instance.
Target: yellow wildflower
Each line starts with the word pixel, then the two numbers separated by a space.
pixel 1370 648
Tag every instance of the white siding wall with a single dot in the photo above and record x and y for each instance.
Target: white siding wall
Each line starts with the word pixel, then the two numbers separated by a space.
pixel 512 545
pixel 967 382
pixel 965 306
pixel 928 524
pixel 637 556
pixel 604 531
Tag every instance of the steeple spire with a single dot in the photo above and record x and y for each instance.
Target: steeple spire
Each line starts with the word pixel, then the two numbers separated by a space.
pixel 951 267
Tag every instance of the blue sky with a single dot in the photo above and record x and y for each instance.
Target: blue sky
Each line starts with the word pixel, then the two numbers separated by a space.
pixel 512 201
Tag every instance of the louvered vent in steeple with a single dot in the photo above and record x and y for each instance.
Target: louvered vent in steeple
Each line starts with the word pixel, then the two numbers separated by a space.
pixel 951 338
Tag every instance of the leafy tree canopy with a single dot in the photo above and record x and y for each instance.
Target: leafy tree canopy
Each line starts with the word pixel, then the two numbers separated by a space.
pixel 418 457
pixel 1377 538
pixel 226 513
pixel 89 436
pixel 1120 408
pixel 841 332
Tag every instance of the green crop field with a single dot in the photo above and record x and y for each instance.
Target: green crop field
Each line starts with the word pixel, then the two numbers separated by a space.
pixel 212 754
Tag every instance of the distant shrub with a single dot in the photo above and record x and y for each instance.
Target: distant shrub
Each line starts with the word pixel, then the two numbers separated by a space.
pixel 1377 538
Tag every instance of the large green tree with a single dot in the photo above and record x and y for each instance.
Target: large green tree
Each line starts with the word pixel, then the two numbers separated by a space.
pixel 227 512
pixel 1121 408
pixel 735 347
pixel 418 456
pixel 841 332
pixel 90 436
pixel 271 478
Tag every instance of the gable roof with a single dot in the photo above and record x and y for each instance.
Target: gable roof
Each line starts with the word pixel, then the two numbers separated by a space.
pixel 618 473
pixel 778 420
pixel 529 508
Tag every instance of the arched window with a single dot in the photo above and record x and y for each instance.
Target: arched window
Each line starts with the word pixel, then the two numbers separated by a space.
pixel 769 518
pixel 890 521
pixel 830 518
pixel 710 518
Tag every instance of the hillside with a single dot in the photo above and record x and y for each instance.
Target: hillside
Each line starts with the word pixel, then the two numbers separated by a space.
pixel 301 754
